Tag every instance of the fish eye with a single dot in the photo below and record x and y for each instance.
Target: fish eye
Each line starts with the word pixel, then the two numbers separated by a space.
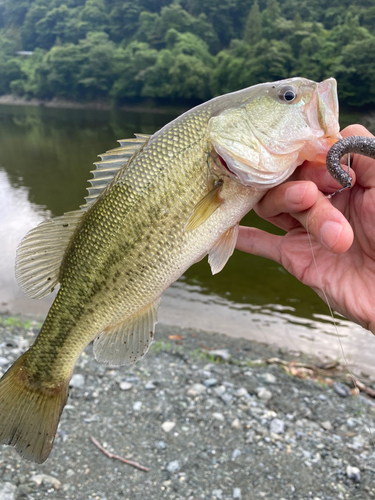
pixel 288 94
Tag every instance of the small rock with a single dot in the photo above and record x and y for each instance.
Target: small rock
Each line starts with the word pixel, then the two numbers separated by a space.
pixel 4 361
pixel 209 382
pixel 173 466
pixel 218 416
pixel 47 480
pixel 125 386
pixel 196 390
pixel 226 398
pixel 236 493
pixel 150 386
pixel 161 445
pixel 137 405
pixel 277 426
pixel 7 491
pixel 267 378
pixel 341 389
pixel 327 426
pixel 77 381
pixel 236 424
pixel 218 494
pixel 242 393
pixel 353 473
pixel 23 491
pixel 236 453
pixel 263 394
pixel 168 426
pixel 220 390
pixel 221 354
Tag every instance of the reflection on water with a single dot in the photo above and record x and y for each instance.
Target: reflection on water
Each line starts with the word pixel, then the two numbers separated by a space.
pixel 45 159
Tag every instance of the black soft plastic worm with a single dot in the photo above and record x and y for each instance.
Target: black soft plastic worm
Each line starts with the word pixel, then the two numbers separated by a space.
pixel 355 144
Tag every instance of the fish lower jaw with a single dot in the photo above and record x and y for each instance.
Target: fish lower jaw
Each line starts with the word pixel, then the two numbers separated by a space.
pixel 260 178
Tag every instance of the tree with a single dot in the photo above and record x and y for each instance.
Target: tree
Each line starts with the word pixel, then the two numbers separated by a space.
pixel 130 66
pixel 356 73
pixel 182 70
pixel 253 27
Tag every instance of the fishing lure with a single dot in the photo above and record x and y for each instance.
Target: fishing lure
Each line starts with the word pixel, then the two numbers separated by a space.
pixel 355 144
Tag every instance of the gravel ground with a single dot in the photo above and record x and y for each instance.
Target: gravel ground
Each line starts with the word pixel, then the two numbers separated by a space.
pixel 208 425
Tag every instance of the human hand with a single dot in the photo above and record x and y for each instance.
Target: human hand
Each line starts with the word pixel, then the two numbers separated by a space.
pixel 342 233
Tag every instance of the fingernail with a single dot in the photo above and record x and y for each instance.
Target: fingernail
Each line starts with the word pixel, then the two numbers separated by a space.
pixel 295 193
pixel 330 233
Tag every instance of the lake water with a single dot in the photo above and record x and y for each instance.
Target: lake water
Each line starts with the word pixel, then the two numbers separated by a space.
pixel 45 159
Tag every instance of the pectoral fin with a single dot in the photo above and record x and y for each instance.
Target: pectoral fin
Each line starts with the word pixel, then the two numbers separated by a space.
pixel 224 247
pixel 126 342
pixel 205 208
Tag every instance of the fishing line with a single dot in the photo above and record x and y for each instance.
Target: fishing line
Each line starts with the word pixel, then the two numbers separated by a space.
pixel 347 366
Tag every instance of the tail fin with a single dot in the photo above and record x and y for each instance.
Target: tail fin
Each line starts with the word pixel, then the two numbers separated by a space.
pixel 29 416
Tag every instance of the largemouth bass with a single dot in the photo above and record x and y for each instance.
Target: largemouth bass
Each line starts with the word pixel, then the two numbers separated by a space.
pixel 157 205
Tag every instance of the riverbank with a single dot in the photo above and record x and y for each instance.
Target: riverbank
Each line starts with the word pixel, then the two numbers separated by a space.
pixel 56 102
pixel 241 422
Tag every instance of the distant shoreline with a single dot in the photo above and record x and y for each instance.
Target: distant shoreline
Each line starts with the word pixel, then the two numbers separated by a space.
pixel 56 102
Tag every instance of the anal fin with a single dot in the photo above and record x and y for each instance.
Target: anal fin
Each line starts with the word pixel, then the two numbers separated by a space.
pixel 219 254
pixel 126 342
pixel 205 208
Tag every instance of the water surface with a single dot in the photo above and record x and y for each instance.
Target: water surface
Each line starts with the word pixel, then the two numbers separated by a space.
pixel 45 159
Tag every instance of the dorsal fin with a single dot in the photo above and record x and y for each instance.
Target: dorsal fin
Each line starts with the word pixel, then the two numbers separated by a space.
pixel 112 161
pixel 40 253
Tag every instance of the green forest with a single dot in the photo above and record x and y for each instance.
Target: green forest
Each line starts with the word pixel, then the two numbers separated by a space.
pixel 120 51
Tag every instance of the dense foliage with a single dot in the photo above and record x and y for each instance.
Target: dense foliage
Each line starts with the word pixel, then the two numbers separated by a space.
pixel 183 49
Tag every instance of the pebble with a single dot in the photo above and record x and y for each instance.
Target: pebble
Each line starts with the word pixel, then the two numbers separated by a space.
pixel 327 426
pixel 236 453
pixel 47 480
pixel 221 354
pixel 236 493
pixel 125 386
pixel 353 473
pixel 150 386
pixel 161 445
pixel 209 382
pixel 218 416
pixel 173 466
pixel 220 390
pixel 226 398
pixel 236 424
pixel 168 426
pixel 4 361
pixel 263 394
pixel 196 389
pixel 137 405
pixel 7 491
pixel 218 494
pixel 341 389
pixel 77 381
pixel 277 426
pixel 242 393
pixel 267 378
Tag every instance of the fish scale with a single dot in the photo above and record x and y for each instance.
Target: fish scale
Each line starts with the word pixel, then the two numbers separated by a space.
pixel 157 205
